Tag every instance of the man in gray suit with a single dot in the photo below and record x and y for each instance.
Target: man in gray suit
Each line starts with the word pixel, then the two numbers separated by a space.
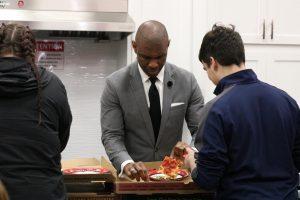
pixel 143 105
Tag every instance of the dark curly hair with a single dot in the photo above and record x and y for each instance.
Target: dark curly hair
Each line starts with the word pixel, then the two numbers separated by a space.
pixel 223 44
pixel 20 41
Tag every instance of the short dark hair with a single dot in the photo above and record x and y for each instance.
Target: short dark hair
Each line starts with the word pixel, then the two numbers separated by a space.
pixel 223 44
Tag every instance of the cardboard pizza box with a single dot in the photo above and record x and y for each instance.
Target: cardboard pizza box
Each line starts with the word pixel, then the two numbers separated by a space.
pixel 86 170
pixel 127 186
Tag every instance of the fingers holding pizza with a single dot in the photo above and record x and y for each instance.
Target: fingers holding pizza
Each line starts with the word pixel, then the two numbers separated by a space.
pixel 185 153
pixel 179 151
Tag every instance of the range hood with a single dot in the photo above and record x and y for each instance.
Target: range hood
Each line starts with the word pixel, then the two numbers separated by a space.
pixel 69 17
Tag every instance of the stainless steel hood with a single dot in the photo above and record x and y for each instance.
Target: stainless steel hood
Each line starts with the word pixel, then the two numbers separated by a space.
pixel 69 21
pixel 69 15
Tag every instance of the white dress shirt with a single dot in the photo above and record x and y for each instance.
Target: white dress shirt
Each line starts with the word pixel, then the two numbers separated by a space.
pixel 147 83
pixel 159 84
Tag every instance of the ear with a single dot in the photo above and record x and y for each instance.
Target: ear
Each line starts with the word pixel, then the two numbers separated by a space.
pixel 214 64
pixel 169 43
pixel 134 46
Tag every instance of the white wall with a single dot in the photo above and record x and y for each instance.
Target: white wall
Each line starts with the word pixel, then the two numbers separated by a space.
pixel 177 18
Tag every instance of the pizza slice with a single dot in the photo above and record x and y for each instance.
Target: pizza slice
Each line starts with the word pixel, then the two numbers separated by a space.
pixel 170 169
pixel 170 166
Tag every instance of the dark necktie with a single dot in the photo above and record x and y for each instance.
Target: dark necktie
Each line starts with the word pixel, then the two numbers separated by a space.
pixel 154 110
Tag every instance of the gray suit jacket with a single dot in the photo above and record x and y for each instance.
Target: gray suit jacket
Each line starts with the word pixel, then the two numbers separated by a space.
pixel 127 131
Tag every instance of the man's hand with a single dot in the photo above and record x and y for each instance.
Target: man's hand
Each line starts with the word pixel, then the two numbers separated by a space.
pixel 189 160
pixel 136 171
pixel 179 151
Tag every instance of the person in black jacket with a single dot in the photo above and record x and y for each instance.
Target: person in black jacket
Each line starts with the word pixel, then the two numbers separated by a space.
pixel 35 120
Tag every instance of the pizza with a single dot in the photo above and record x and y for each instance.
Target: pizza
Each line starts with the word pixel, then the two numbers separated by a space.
pixel 170 169
pixel 170 166
pixel 86 170
pixel 179 152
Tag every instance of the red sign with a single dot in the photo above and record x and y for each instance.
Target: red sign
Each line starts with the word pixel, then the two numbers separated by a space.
pixel 50 54
pixel 54 46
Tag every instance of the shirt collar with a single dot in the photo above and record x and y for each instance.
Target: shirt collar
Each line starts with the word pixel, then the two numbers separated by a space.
pixel 242 77
pixel 145 77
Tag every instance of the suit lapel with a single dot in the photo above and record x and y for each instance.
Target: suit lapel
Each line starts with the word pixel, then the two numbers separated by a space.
pixel 167 99
pixel 138 92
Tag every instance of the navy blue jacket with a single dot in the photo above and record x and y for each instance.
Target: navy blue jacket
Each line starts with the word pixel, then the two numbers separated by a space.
pixel 249 141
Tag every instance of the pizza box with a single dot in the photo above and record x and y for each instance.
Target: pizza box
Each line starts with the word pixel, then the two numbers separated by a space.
pixel 86 170
pixel 128 186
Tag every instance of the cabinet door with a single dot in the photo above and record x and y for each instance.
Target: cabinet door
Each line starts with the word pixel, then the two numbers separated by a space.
pixel 256 60
pixel 277 65
pixel 283 70
pixel 286 24
pixel 247 16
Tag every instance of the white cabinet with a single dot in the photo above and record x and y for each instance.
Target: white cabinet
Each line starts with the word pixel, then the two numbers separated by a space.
pixel 284 15
pixel 188 20
pixel 247 16
pixel 257 61
pixel 259 21
pixel 271 32
pixel 277 65
pixel 284 70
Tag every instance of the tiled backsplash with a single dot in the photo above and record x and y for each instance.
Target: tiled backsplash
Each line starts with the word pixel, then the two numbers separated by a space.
pixel 86 65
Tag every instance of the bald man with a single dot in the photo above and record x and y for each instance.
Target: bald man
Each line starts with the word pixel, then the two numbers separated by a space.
pixel 143 105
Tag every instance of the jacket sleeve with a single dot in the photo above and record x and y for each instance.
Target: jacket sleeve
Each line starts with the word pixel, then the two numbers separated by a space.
pixel 296 150
pixel 112 126
pixel 196 101
pixel 65 118
pixel 212 159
